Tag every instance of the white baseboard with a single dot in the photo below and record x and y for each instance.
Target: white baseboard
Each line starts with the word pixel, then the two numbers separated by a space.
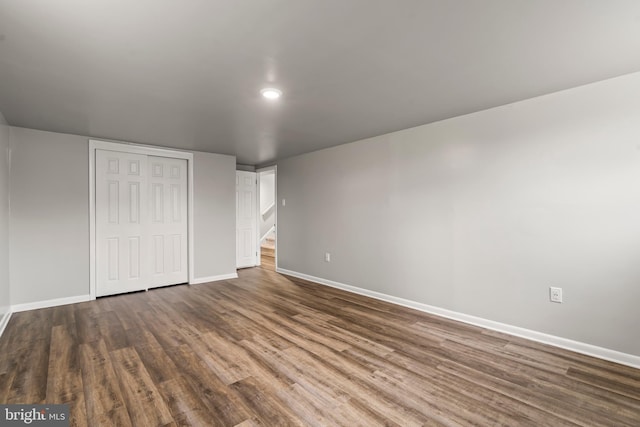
pixel 213 278
pixel 5 321
pixel 578 347
pixel 49 303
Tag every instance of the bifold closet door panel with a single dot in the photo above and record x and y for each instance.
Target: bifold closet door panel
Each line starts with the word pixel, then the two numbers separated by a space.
pixel 121 216
pixel 167 221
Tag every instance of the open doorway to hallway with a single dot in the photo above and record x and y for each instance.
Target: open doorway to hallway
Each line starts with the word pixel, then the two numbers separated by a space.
pixel 267 217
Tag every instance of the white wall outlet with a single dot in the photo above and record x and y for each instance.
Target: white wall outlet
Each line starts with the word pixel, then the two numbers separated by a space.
pixel 555 294
pixel 327 257
pixel 284 202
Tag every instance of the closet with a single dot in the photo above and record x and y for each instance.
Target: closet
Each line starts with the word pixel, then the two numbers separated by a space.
pixel 141 222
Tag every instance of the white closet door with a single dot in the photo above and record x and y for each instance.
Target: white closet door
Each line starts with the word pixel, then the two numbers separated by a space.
pixel 167 221
pixel 121 206
pixel 246 219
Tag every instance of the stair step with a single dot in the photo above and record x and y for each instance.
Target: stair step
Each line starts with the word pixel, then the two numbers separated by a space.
pixel 267 251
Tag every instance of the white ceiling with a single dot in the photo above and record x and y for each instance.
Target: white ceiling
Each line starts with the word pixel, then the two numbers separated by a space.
pixel 187 74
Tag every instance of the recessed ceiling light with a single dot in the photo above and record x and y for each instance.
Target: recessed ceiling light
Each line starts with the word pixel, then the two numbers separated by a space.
pixel 271 93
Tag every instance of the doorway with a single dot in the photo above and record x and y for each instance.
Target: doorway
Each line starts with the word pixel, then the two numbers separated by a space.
pixel 246 219
pixel 267 217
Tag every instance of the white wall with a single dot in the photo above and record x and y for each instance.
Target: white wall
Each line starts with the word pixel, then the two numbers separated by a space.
pixel 50 215
pixel 480 214
pixel 5 299
pixel 214 214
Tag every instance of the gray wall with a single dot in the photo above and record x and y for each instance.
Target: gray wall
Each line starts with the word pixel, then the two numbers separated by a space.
pixel 49 215
pixel 214 214
pixel 247 168
pixel 5 299
pixel 480 214
pixel 49 240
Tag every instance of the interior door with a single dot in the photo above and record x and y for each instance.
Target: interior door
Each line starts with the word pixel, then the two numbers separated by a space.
pixel 121 235
pixel 167 221
pixel 246 219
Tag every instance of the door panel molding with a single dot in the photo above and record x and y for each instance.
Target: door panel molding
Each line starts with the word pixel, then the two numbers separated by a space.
pixel 118 225
pixel 169 221
pixel 246 219
pixel 133 169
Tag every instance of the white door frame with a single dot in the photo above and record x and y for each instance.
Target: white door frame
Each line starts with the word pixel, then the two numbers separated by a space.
pixel 124 147
pixel 273 168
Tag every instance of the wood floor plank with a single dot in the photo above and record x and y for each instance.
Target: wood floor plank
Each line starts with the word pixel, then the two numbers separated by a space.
pixel 266 349
pixel 127 311
pixel 111 330
pixel 561 388
pixel 64 378
pixel 6 381
pixel 168 328
pixel 87 326
pixel 353 339
pixel 104 400
pixel 29 384
pixel 266 409
pixel 184 403
pixel 556 409
pixel 144 402
pixel 619 384
pixel 156 361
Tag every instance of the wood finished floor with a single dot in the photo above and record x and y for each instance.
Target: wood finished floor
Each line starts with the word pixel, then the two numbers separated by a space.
pixel 268 258
pixel 265 350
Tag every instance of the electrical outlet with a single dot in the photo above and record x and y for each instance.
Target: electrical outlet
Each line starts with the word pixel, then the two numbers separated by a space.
pixel 284 202
pixel 327 257
pixel 555 294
